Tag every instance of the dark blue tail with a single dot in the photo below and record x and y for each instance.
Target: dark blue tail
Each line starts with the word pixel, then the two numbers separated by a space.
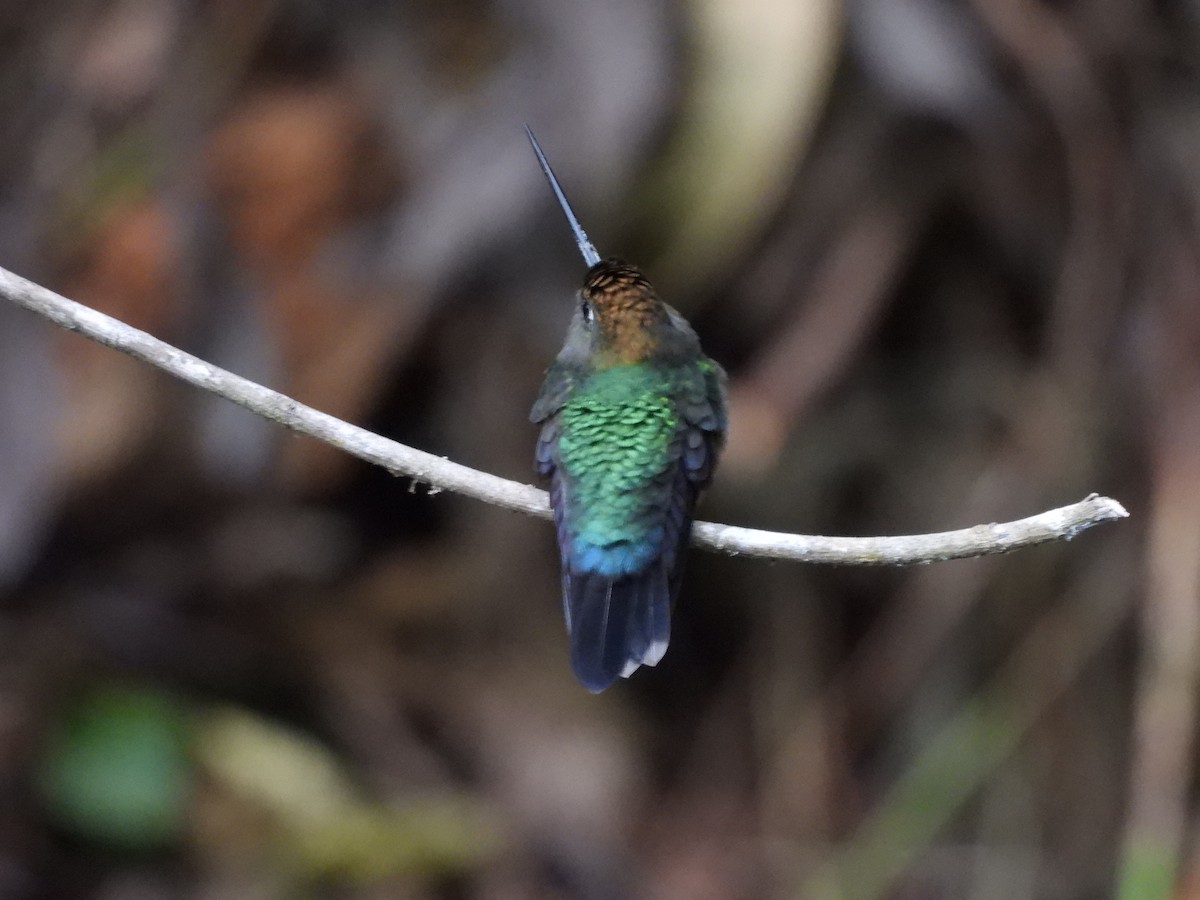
pixel 616 625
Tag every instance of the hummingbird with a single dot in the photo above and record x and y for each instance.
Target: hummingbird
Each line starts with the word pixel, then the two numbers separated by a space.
pixel 632 417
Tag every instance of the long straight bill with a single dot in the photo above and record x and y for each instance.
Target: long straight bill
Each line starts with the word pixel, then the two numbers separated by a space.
pixel 590 256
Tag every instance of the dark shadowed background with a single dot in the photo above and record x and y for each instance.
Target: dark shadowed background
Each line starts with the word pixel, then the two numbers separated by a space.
pixel 948 252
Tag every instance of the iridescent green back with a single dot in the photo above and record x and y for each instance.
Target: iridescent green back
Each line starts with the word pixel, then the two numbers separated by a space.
pixel 618 445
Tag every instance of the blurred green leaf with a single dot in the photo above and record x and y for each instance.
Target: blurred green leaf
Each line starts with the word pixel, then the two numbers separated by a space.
pixel 115 769
pixel 287 773
pixel 1148 873
pixel 441 835
pixel 324 824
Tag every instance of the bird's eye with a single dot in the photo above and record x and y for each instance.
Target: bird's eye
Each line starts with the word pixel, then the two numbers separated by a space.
pixel 585 310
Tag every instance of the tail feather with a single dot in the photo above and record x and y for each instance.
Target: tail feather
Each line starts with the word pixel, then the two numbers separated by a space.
pixel 657 612
pixel 617 625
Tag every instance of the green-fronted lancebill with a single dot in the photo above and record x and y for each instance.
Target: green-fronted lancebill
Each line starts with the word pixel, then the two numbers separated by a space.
pixel 632 417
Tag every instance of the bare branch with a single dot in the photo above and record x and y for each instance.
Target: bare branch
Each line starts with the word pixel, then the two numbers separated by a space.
pixel 442 474
pixel 905 550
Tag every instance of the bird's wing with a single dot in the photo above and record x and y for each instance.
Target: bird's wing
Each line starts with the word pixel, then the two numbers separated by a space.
pixel 703 418
pixel 556 387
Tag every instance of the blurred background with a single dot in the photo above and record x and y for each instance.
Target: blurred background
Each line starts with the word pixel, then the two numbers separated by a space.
pixel 947 250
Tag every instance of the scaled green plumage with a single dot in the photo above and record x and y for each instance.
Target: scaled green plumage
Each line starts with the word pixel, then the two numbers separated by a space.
pixel 615 442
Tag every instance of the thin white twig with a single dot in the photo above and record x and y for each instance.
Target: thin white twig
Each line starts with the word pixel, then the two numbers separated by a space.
pixel 442 474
